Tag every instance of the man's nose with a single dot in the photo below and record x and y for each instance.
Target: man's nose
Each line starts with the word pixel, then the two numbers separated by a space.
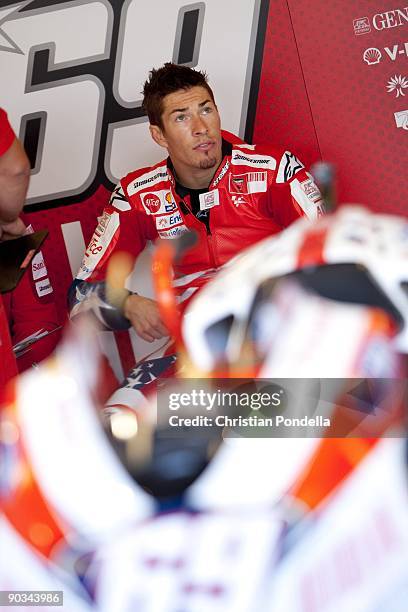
pixel 199 125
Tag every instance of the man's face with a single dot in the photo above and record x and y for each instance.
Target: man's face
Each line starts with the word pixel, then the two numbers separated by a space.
pixel 191 132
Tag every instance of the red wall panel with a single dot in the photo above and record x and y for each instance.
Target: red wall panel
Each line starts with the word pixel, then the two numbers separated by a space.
pixel 283 113
pixel 352 112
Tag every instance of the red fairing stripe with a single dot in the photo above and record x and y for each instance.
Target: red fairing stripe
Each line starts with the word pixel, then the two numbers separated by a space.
pixel 311 252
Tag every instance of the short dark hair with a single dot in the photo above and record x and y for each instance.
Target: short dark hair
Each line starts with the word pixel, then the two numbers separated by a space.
pixel 166 80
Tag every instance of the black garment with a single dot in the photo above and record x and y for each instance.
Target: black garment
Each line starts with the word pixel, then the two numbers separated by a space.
pixel 191 197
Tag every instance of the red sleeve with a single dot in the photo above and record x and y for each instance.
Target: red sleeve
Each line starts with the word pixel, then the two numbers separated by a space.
pixel 121 228
pixel 7 135
pixel 232 138
pixel 293 193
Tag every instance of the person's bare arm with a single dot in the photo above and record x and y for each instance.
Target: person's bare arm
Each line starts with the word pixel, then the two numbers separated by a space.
pixel 14 179
pixel 11 230
pixel 143 313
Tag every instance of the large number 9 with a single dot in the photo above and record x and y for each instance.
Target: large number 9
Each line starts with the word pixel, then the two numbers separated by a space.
pixel 216 36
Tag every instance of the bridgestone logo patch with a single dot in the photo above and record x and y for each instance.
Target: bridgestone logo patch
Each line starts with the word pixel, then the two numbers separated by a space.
pixel 148 180
pixel 160 175
pixel 253 161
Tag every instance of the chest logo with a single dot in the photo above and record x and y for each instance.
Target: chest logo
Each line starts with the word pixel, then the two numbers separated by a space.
pixel 238 199
pixel 158 202
pixel 248 182
pixel 152 202
pixel 209 199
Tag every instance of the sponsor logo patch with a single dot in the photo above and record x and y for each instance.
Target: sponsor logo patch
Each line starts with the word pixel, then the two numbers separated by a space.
pixel 361 26
pixel 221 174
pixel 43 287
pixel 381 21
pixel 239 199
pixel 249 182
pixel 168 221
pixel 175 232
pixel 38 266
pixel 401 119
pixel 148 180
pixel 94 246
pixel 118 199
pixel 209 199
pixel 171 205
pixel 107 227
pixel 103 222
pixel 397 84
pixel 372 56
pixel 288 167
pixel 391 19
pixel 152 202
pixel 252 160
pixel 158 202
pixel 311 190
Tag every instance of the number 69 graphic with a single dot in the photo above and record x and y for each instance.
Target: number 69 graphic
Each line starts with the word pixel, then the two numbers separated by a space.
pixel 71 74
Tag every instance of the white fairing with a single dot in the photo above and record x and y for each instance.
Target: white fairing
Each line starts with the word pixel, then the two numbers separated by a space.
pixel 233 289
pixel 352 235
pixel 350 556
pixel 355 556
pixel 320 338
pixel 21 569
pixel 211 562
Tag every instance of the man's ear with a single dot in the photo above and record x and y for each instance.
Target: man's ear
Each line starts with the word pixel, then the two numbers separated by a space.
pixel 158 136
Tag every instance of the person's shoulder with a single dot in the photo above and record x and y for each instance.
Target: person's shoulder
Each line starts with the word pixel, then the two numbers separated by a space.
pixel 263 156
pixel 268 149
pixel 124 197
pixel 146 177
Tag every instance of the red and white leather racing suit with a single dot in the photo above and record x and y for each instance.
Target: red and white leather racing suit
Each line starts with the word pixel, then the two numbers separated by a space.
pixel 257 191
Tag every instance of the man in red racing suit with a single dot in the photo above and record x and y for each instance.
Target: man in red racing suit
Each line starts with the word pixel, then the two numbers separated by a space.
pixel 254 192
pixel 257 191
pixel 231 195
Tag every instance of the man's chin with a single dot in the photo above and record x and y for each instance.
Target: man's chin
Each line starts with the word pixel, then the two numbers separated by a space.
pixel 207 163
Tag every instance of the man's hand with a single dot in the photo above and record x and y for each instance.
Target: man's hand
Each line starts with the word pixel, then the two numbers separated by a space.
pixel 11 230
pixel 143 313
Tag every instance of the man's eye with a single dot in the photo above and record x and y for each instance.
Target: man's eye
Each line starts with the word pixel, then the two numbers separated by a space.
pixel 206 110
pixel 181 117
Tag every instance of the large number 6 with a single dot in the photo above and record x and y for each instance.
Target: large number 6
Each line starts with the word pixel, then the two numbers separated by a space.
pixel 68 111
